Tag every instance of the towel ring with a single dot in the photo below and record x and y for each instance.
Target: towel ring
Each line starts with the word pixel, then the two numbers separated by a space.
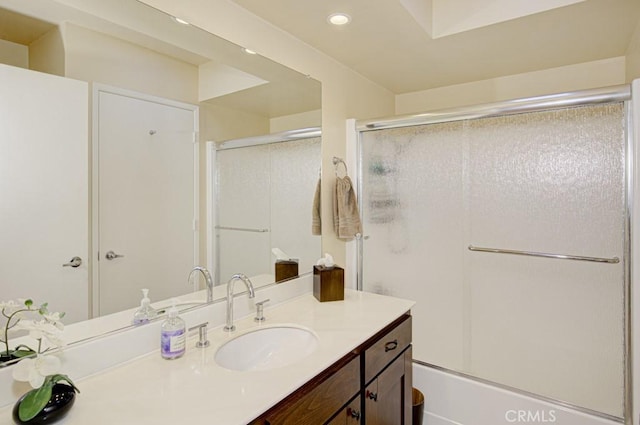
pixel 336 163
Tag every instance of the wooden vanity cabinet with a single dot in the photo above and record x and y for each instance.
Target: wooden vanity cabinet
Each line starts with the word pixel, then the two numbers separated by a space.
pixel 349 415
pixel 388 377
pixel 371 385
pixel 317 401
pixel 386 401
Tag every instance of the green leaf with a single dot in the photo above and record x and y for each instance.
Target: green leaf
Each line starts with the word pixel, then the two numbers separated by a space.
pixel 35 401
pixel 28 302
pixel 59 377
pixel 23 353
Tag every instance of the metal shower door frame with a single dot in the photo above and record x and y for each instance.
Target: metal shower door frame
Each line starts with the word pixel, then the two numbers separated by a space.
pixel 614 94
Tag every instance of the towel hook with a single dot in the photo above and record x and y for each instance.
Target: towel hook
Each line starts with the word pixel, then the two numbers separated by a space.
pixel 336 163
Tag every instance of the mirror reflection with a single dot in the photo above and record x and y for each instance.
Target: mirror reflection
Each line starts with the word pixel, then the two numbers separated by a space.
pixel 106 180
pixel 263 194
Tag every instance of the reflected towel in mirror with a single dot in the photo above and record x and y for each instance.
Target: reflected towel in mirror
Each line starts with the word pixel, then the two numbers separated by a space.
pixel 316 221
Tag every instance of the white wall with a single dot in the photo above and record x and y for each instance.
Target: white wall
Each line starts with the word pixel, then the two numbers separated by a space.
pixel 296 121
pixel 602 73
pixel 14 54
pixel 46 54
pixel 633 56
pixel 94 57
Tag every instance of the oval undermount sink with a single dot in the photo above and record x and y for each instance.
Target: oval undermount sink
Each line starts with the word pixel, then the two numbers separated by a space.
pixel 267 348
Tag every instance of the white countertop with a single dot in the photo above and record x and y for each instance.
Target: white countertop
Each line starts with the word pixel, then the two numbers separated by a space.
pixel 193 389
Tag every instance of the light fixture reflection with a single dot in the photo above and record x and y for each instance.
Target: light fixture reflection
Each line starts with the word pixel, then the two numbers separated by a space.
pixel 180 21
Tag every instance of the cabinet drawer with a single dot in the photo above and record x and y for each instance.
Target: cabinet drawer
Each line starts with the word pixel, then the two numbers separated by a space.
pixel 322 401
pixel 387 348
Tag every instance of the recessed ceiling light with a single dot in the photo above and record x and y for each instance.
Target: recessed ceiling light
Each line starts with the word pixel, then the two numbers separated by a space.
pixel 249 51
pixel 180 21
pixel 339 19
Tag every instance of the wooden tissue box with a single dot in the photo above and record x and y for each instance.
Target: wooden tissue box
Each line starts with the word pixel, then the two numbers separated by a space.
pixel 328 283
pixel 286 269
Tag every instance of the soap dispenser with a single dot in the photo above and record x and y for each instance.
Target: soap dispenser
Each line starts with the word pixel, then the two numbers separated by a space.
pixel 173 335
pixel 145 313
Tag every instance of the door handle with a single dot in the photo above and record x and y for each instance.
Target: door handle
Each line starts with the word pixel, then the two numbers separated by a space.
pixel 75 262
pixel 110 255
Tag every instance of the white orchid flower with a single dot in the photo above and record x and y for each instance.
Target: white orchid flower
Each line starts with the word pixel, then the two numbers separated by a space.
pixel 54 319
pixel 35 370
pixel 42 329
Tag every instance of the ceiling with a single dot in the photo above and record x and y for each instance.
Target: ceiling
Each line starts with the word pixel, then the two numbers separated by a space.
pixel 412 45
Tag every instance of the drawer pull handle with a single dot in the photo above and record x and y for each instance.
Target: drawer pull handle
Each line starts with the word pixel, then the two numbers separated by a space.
pixel 372 396
pixel 391 345
pixel 353 413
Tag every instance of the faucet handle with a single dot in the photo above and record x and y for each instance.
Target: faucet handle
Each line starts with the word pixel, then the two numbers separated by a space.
pixel 202 332
pixel 260 311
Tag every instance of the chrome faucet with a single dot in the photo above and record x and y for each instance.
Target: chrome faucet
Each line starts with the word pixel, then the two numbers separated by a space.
pixel 230 327
pixel 207 278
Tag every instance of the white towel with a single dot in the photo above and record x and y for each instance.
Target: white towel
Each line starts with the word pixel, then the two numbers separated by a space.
pixel 346 218
pixel 316 212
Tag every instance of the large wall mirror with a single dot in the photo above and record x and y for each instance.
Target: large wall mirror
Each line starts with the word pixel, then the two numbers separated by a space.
pixel 122 135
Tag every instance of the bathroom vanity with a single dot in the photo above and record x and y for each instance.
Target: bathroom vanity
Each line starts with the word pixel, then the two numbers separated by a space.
pixel 359 370
pixel 371 385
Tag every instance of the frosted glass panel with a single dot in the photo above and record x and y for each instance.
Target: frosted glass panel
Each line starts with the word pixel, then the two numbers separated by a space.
pixel 264 200
pixel 295 169
pixel 547 182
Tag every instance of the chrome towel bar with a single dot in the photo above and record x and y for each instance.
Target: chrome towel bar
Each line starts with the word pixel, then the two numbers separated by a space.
pixel 242 229
pixel 613 260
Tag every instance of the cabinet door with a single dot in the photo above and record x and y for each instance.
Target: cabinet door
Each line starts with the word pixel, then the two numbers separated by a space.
pixel 386 396
pixel 350 415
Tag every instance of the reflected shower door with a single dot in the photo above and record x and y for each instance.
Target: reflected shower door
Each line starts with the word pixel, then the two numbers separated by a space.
pixel 550 182
pixel 264 197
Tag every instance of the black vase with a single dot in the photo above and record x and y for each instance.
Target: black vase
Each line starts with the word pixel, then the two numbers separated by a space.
pixel 62 398
pixel 6 358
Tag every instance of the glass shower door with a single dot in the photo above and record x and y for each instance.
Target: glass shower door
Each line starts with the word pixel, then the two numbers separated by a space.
pixel 550 182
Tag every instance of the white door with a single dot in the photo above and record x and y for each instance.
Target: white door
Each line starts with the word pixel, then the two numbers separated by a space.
pixel 44 190
pixel 146 168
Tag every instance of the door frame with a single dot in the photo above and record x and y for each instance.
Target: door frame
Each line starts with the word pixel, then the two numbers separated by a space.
pixel 94 225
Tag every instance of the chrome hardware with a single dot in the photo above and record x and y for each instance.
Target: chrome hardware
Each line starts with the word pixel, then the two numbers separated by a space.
pixel 613 260
pixel 353 413
pixel 391 345
pixel 110 255
pixel 371 395
pixel 230 327
pixel 260 311
pixel 336 163
pixel 242 229
pixel 202 335
pixel 207 278
pixel 75 262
